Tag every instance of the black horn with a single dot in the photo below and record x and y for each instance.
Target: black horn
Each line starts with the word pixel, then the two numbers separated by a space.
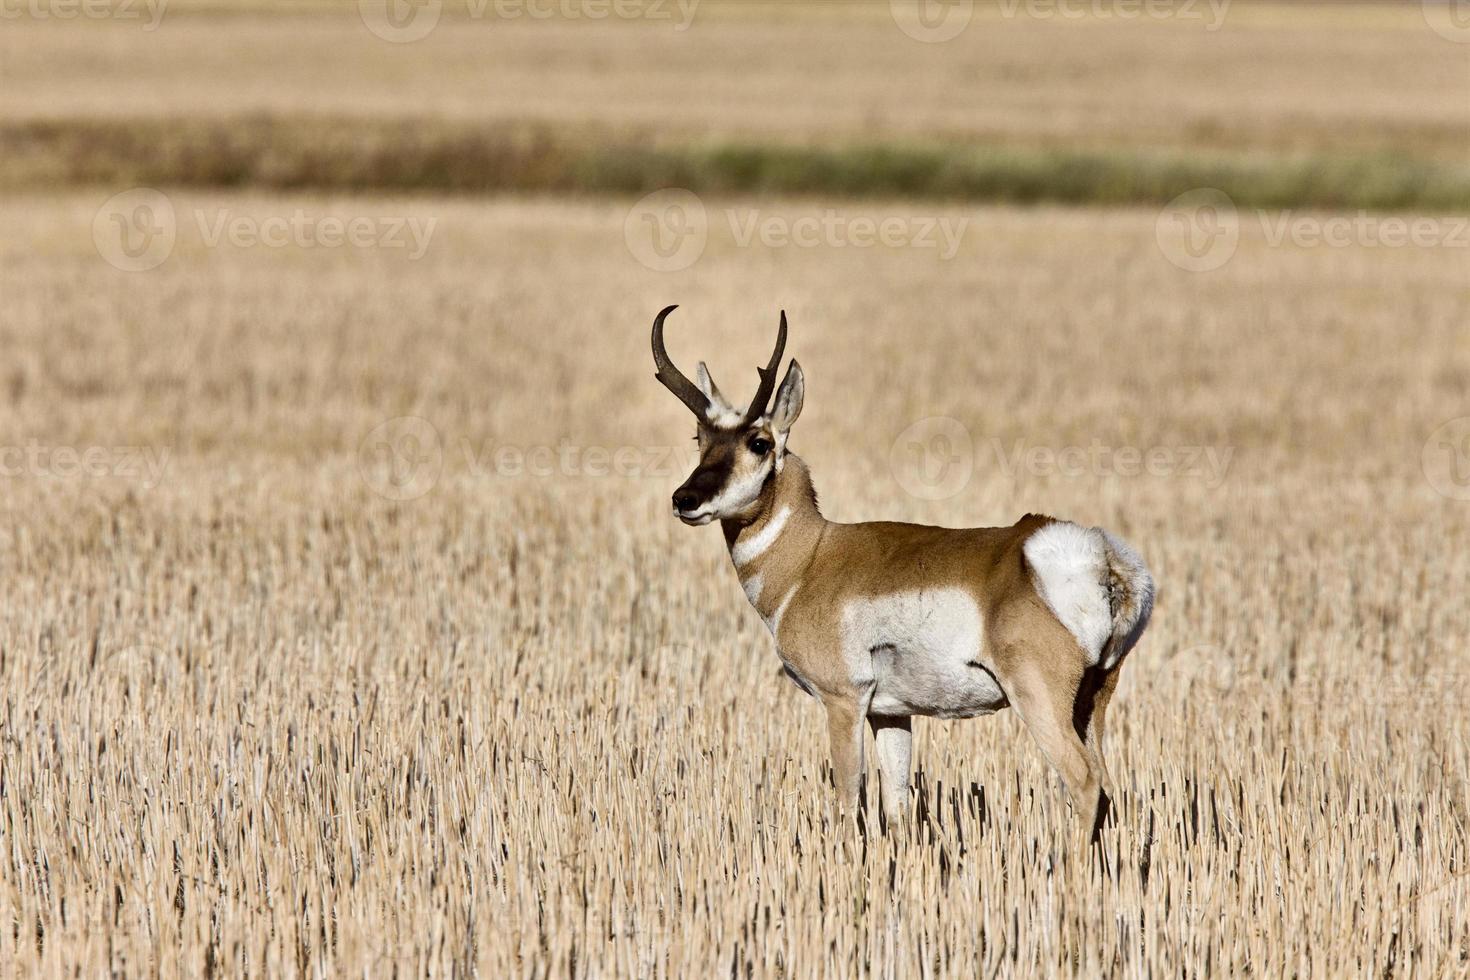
pixel 671 377
pixel 768 377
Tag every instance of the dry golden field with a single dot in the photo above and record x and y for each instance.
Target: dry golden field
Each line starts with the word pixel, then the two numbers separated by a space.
pixel 348 632
pixel 259 718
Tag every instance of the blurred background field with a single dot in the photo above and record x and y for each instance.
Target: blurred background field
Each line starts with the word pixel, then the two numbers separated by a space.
pixel 351 653
pixel 1361 104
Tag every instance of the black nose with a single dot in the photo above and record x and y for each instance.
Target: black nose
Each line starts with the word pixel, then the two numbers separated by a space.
pixel 685 500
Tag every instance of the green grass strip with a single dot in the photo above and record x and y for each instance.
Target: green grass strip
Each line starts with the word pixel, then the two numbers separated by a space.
pixel 301 153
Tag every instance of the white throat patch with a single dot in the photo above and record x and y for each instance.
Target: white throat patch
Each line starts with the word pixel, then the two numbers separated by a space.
pixel 750 549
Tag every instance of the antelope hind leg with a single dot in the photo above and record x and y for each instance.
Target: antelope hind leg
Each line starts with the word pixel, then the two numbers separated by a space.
pixel 1046 708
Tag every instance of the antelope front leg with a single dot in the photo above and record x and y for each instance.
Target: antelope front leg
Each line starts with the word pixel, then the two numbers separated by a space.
pixel 894 739
pixel 845 726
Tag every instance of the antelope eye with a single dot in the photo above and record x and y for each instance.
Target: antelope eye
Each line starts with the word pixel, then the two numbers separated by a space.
pixel 760 445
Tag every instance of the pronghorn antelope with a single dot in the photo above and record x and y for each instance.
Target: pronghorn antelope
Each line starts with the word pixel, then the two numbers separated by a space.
pixel 883 621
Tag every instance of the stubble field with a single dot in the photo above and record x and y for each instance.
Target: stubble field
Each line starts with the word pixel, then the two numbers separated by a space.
pixel 261 717
pixel 347 628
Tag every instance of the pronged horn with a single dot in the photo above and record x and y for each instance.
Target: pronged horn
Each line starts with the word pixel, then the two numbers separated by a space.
pixel 768 378
pixel 670 377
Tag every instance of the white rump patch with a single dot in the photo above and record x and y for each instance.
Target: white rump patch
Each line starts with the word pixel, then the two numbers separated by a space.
pixel 753 547
pixel 1069 564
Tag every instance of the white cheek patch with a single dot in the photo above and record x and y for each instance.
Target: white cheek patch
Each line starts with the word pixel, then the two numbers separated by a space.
pixel 739 494
pixel 749 550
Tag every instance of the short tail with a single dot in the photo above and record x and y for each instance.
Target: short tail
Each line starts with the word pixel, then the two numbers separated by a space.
pixel 1130 591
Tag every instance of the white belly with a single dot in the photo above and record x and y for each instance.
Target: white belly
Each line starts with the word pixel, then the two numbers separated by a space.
pixel 924 652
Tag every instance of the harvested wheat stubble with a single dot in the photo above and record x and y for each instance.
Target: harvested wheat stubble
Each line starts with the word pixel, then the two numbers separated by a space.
pixel 259 719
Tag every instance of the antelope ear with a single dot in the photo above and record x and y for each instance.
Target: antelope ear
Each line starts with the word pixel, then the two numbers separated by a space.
pixel 788 399
pixel 710 389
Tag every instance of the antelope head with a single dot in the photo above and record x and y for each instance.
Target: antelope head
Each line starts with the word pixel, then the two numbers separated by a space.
pixel 739 452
